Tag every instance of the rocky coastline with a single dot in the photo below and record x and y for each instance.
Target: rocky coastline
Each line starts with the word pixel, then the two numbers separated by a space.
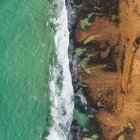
pixel 105 66
pixel 83 104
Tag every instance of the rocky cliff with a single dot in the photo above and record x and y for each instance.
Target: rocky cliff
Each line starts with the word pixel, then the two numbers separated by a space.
pixel 107 37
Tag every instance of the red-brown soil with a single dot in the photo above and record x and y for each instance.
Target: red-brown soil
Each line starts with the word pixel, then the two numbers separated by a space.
pixel 116 93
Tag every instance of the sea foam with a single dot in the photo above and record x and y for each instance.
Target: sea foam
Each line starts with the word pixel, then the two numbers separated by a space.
pixel 61 82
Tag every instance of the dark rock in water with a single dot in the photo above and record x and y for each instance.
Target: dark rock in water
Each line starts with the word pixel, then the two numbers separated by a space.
pixel 45 133
pixel 76 131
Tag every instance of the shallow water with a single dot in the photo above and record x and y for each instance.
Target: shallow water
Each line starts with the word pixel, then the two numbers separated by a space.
pixel 25 52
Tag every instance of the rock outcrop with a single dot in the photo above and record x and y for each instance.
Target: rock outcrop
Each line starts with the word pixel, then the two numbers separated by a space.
pixel 108 36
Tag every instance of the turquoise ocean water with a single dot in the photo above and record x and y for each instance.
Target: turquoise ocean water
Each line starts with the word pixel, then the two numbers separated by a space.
pixel 26 44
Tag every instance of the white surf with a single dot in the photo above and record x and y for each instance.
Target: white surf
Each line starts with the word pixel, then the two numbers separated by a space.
pixel 61 83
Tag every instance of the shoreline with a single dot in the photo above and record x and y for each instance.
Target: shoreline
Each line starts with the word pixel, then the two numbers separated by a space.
pixel 82 102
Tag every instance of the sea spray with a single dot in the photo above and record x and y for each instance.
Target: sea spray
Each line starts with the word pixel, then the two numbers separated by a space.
pixel 61 82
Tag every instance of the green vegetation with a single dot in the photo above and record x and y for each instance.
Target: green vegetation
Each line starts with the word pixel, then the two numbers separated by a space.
pixel 79 6
pixel 84 66
pixel 80 117
pixel 85 63
pixel 79 51
pixel 122 137
pixel 85 24
pixel 89 39
pixel 85 130
pixel 130 126
pixel 95 137
pixel 90 15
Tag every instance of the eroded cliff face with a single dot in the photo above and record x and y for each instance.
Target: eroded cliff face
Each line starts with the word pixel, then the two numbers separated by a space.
pixel 108 38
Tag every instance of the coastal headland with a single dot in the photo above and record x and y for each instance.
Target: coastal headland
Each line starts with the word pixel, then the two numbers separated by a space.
pixel 107 38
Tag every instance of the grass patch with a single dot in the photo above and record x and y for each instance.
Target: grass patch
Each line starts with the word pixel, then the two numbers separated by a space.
pixel 85 24
pixel 79 52
pixel 80 117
